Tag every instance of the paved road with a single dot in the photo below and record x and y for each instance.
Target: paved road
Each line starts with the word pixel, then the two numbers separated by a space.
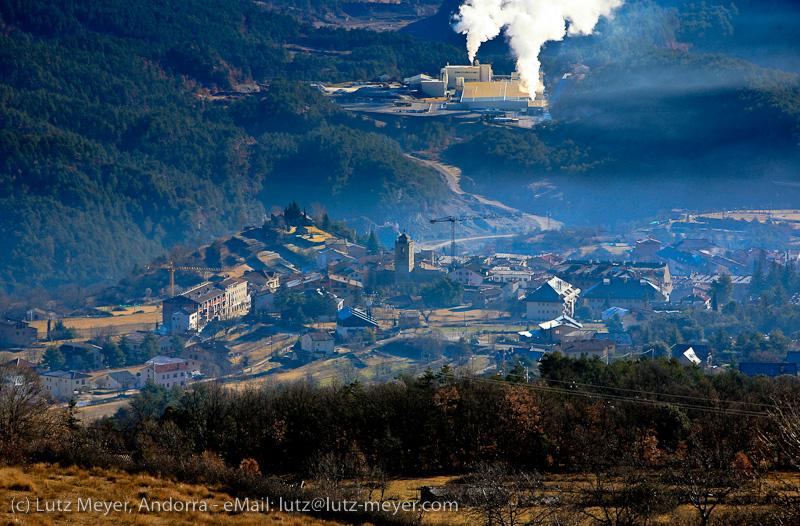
pixel 441 244
pixel 452 174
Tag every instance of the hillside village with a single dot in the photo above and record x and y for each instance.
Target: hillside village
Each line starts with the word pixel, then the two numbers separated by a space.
pixel 291 300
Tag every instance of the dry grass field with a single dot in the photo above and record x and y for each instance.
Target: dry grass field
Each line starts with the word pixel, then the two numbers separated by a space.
pixel 91 413
pixel 51 484
pixel 119 323
pixel 789 215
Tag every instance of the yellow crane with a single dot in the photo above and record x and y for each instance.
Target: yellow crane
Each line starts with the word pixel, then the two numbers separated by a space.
pixel 172 268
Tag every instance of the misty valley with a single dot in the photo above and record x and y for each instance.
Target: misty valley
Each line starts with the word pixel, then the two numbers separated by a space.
pixel 414 262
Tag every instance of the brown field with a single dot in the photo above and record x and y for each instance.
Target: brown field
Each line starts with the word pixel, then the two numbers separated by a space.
pixel 792 216
pixel 465 315
pixel 91 413
pixel 114 310
pixel 51 484
pixel 119 323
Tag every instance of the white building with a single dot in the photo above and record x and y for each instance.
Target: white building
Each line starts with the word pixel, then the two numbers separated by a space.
pixel 454 76
pixel 63 384
pixel 318 342
pixel 237 301
pixel 554 298
pixel 183 321
pixel 115 381
pixel 470 275
pixel 263 300
pixel 167 372
pixel 688 357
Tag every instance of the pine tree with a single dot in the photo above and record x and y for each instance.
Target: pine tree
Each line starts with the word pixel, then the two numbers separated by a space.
pixel 149 347
pixel 758 281
pixel 113 355
pixel 53 359
pixel 374 244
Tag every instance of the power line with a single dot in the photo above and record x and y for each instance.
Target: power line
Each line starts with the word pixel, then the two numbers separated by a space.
pixel 618 398
pixel 625 399
pixel 651 393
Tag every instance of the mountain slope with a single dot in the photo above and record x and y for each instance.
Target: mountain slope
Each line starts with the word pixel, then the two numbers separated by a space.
pixel 127 128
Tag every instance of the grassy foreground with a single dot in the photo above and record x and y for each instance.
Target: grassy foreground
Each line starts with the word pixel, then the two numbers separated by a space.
pixel 51 485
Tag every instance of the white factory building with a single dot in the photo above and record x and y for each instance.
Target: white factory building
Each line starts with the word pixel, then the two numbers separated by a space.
pixel 475 87
pixel 451 77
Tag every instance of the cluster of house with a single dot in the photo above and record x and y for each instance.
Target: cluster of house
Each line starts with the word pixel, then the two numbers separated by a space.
pixel 694 256
pixel 568 337
pixel 630 293
pixel 182 359
pixel 350 322
pixel 551 286
pixel 675 276
pixel 64 384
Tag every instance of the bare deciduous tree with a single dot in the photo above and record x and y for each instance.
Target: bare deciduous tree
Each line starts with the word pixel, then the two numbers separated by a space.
pixel 624 496
pixel 495 495
pixel 784 441
pixel 705 485
pixel 25 415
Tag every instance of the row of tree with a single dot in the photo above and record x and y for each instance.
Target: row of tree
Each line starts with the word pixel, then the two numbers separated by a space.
pixel 645 435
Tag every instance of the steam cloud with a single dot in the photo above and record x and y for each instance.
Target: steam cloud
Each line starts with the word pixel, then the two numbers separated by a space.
pixel 529 25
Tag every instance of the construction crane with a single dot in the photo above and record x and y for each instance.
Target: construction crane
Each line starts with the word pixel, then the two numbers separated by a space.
pixel 453 220
pixel 172 268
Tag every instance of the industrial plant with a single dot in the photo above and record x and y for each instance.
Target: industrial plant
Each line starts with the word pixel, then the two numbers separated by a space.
pixel 459 89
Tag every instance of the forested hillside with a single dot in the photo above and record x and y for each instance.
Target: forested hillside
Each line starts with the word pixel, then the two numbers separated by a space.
pixel 119 137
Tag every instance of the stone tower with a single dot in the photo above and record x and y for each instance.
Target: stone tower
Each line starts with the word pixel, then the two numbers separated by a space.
pixel 403 258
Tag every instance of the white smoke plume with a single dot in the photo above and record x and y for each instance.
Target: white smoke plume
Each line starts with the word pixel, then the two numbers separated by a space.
pixel 529 25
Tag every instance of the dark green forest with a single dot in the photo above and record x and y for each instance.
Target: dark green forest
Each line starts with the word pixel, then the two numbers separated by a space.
pixel 119 137
pixel 127 129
